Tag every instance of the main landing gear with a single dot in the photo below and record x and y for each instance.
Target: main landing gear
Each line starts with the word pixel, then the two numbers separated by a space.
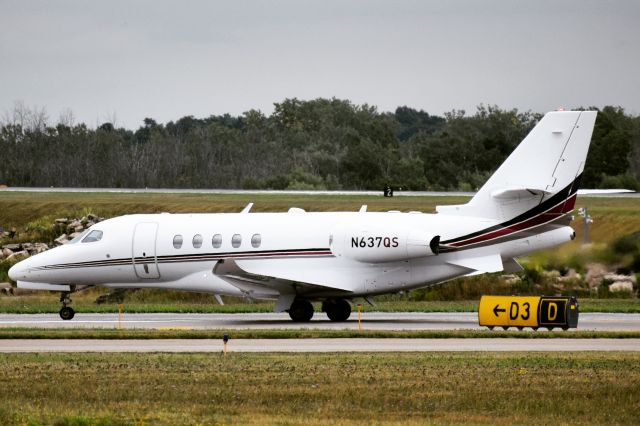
pixel 66 312
pixel 301 310
pixel 337 310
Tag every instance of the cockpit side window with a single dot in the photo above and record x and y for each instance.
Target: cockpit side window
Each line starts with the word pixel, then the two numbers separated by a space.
pixel 93 236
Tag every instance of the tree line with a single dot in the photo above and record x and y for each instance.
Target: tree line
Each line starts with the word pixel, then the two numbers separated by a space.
pixel 316 144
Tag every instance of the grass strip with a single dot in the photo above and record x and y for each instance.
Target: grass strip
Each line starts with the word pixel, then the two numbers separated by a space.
pixel 100 333
pixel 49 304
pixel 376 388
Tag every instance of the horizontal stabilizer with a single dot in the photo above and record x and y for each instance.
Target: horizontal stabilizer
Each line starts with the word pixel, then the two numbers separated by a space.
pixel 604 191
pixel 511 193
pixel 482 264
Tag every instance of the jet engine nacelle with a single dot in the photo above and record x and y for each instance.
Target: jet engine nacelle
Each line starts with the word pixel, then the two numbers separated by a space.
pixel 383 244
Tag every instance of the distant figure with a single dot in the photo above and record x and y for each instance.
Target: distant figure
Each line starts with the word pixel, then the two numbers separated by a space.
pixel 388 191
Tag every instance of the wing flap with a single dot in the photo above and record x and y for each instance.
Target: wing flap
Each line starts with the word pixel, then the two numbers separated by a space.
pixel 251 276
pixel 43 286
pixel 480 264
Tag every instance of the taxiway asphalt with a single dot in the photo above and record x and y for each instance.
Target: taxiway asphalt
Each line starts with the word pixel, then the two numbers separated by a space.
pixel 370 321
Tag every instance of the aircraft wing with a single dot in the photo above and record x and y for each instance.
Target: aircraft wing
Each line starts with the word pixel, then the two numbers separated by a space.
pixel 249 282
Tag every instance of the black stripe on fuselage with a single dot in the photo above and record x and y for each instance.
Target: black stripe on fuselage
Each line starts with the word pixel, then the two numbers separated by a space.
pixel 195 257
pixel 546 205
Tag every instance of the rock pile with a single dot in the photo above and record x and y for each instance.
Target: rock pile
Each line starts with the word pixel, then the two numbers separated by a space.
pixel 75 227
pixel 72 227
pixel 597 274
pixel 21 250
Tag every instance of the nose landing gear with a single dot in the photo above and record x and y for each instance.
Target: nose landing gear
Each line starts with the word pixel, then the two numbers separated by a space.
pixel 66 312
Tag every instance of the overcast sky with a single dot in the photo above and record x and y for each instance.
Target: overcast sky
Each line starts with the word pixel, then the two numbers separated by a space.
pixel 168 59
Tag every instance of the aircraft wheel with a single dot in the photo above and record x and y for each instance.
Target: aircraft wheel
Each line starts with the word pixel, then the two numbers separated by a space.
pixel 67 313
pixel 337 309
pixel 301 311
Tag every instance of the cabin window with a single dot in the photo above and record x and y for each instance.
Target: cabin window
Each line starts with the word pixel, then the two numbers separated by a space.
pixel 177 241
pixel 256 240
pixel 216 241
pixel 92 237
pixel 197 241
pixel 236 240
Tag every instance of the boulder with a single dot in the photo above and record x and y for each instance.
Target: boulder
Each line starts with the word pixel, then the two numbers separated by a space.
pixel 62 239
pixel 75 223
pixel 595 274
pixel 62 221
pixel 6 288
pixel 618 277
pixel 93 218
pixel 511 279
pixel 12 247
pixel 621 287
pixel 27 246
pixel 18 255
pixel 6 252
pixel 40 247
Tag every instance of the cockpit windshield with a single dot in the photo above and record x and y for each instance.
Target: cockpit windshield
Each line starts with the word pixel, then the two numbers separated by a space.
pixel 93 236
pixel 77 238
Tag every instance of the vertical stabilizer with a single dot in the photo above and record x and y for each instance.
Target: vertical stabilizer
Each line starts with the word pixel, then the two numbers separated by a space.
pixel 546 165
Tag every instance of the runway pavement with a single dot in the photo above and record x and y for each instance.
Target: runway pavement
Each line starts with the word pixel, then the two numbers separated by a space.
pixel 320 345
pixel 370 321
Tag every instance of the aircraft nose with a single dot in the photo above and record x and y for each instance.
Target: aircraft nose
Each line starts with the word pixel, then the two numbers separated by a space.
pixel 15 271
pixel 20 271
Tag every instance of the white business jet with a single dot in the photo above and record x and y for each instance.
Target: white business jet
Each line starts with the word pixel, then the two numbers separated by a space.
pixel 298 257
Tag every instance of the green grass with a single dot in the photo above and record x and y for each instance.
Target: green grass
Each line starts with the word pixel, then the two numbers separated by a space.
pixel 175 302
pixel 258 389
pixel 19 208
pixel 613 217
pixel 181 333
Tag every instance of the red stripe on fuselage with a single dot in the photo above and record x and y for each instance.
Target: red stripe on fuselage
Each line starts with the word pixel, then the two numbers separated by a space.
pixel 556 211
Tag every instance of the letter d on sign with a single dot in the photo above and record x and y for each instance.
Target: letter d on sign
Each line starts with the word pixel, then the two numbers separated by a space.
pixel 552 311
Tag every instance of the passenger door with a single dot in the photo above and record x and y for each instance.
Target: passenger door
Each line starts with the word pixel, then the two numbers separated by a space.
pixel 144 257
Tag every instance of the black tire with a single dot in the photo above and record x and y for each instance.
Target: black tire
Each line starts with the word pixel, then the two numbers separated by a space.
pixel 337 310
pixel 301 311
pixel 67 313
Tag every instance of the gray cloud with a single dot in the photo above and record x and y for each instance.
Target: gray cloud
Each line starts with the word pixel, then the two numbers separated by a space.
pixel 168 59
